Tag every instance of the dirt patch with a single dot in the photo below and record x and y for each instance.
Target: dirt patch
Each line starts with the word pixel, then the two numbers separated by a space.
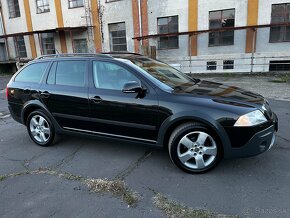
pixel 116 187
pixel 174 209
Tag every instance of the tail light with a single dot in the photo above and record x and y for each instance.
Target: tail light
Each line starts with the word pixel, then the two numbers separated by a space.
pixel 7 92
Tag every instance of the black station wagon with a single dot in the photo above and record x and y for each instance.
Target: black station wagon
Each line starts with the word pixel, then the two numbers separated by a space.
pixel 132 97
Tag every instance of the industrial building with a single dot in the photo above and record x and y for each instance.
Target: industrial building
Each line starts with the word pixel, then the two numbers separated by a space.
pixel 194 35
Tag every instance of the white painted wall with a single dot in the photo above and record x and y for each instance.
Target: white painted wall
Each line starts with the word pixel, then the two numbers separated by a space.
pixel 116 12
pixel 166 8
pixel 43 21
pixel 73 17
pixel 14 25
pixel 263 35
pixel 203 24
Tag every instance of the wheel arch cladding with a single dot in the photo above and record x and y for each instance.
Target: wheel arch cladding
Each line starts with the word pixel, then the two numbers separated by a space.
pixel 168 126
pixel 31 106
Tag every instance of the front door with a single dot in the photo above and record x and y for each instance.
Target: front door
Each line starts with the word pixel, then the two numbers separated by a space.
pixel 119 114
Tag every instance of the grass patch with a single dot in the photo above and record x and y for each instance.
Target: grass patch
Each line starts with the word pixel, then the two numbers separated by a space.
pixel 2 178
pixel 282 79
pixel 116 187
pixel 174 209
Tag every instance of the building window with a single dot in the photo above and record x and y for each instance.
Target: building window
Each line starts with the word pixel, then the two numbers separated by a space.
pixel 75 3
pixel 42 6
pixel 13 8
pixel 167 25
pixel 211 65
pixel 218 20
pixel 20 46
pixel 280 14
pixel 279 65
pixel 48 43
pixel 228 64
pixel 80 46
pixel 118 40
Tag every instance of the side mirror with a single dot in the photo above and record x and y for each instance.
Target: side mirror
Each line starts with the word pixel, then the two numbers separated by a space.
pixel 132 87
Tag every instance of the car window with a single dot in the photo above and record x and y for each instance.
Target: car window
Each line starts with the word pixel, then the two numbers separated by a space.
pixel 32 73
pixel 71 73
pixel 111 76
pixel 51 75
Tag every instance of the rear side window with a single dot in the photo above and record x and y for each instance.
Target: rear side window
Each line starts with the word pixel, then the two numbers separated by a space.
pixel 32 73
pixel 71 73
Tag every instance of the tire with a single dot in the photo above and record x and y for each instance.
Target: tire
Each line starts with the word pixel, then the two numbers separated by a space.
pixel 40 128
pixel 194 148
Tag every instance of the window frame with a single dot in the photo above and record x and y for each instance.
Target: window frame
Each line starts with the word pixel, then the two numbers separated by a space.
pixel 48 64
pixel 208 65
pixel 55 70
pixel 177 37
pixel 38 11
pixel 228 66
pixel 44 50
pixel 111 38
pixel 78 6
pixel 79 40
pixel 11 5
pixel 143 84
pixel 284 31
pixel 18 46
pixel 218 32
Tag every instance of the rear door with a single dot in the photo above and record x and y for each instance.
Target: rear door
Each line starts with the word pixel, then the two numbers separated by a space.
pixel 25 85
pixel 65 92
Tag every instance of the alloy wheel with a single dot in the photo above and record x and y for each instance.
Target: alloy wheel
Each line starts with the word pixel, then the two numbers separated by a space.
pixel 197 150
pixel 39 128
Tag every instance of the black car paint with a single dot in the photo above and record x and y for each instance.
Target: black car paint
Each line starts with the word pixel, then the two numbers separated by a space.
pixel 146 119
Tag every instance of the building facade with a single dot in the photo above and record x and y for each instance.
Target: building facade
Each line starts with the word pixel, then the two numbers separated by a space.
pixel 193 35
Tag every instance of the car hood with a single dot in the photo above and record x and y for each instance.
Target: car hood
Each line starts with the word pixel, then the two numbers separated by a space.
pixel 219 91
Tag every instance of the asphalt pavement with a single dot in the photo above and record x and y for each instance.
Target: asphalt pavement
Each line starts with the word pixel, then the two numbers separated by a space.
pixel 51 182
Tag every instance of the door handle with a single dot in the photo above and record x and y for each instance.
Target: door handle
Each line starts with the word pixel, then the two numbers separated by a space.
pixel 45 94
pixel 96 99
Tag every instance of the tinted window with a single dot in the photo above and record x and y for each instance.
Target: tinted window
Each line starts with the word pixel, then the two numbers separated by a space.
pixel 111 76
pixel 51 76
pixel 32 73
pixel 71 73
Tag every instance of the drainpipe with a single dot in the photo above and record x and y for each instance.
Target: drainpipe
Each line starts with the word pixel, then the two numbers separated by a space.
pixel 253 49
pixel 140 23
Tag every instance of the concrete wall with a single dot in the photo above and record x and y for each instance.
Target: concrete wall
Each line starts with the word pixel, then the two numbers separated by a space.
pixel 43 21
pixel 169 8
pixel 116 12
pixel 121 11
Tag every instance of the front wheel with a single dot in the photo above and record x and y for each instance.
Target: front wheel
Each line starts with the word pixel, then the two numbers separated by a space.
pixel 40 128
pixel 194 148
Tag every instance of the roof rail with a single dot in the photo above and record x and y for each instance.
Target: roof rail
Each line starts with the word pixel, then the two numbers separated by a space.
pixel 73 55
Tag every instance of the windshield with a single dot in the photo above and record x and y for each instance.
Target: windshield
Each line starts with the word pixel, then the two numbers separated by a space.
pixel 163 72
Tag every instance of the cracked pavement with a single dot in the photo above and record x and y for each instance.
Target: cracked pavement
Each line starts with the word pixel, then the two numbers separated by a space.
pixel 251 187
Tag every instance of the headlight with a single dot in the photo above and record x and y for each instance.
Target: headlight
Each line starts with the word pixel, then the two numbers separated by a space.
pixel 251 119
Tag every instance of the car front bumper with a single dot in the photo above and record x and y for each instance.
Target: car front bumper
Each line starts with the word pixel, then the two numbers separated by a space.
pixel 262 141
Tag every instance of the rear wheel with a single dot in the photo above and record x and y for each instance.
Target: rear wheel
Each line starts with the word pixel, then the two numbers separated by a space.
pixel 40 128
pixel 194 148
